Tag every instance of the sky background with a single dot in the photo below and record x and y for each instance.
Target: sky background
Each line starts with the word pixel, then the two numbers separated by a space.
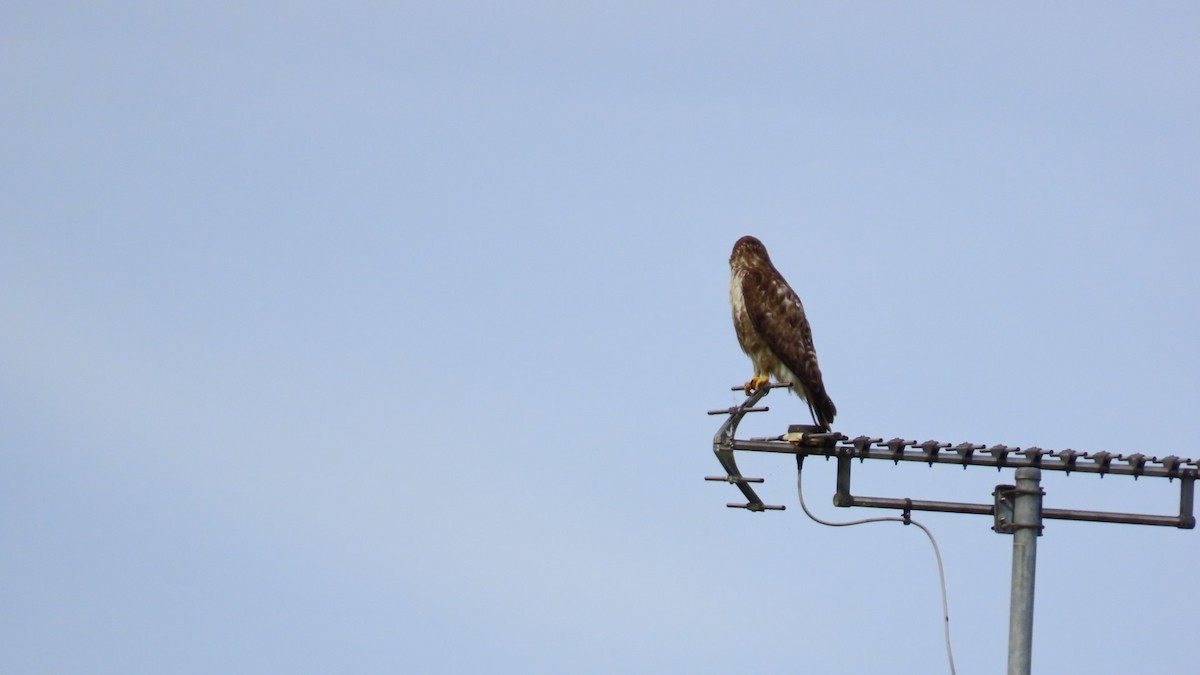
pixel 379 337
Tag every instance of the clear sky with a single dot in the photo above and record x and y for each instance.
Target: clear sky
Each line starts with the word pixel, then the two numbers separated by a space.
pixel 378 337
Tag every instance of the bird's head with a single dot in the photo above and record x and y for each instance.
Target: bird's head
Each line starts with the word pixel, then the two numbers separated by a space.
pixel 747 249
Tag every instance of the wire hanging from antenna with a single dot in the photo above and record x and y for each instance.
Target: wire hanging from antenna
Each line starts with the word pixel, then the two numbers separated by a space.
pixel 906 520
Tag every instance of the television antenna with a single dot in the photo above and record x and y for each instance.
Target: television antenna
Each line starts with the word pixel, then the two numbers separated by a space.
pixel 1015 509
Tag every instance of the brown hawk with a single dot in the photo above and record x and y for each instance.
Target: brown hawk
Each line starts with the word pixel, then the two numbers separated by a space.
pixel 772 329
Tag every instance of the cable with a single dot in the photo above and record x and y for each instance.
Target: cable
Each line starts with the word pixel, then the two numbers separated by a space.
pixel 907 521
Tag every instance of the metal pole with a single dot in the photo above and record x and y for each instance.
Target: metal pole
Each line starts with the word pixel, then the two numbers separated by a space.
pixel 1027 522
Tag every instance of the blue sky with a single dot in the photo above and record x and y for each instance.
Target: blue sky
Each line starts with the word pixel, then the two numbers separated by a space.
pixel 378 337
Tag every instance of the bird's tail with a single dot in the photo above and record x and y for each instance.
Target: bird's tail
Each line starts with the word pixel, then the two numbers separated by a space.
pixel 821 406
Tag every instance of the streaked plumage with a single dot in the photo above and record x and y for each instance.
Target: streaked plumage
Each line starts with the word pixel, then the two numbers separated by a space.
pixel 772 329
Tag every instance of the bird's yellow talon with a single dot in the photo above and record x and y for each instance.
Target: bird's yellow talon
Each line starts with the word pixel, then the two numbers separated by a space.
pixel 756 383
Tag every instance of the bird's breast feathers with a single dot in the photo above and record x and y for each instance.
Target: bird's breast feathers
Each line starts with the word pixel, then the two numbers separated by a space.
pixel 735 295
pixel 748 337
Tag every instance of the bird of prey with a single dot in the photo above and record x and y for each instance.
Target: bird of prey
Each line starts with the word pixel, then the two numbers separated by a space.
pixel 772 329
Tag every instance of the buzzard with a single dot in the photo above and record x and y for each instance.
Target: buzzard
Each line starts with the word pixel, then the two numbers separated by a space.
pixel 772 329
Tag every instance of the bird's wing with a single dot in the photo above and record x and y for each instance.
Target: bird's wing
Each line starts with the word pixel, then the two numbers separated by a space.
pixel 778 316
